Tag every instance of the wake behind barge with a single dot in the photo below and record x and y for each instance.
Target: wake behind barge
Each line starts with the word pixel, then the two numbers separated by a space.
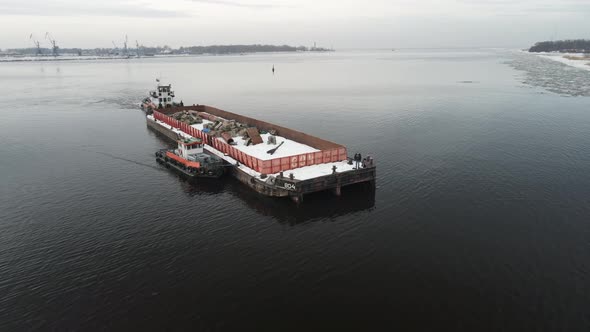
pixel 303 165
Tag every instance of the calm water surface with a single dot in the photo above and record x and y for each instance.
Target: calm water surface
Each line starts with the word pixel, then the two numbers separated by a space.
pixel 480 219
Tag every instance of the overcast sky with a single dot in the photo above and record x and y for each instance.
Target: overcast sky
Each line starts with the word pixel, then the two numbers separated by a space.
pixel 332 23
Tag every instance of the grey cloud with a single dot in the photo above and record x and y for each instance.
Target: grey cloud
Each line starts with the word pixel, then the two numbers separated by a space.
pixel 43 8
pixel 238 4
pixel 520 7
pixel 572 8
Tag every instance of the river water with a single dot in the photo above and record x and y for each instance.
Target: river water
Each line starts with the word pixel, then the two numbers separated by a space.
pixel 480 218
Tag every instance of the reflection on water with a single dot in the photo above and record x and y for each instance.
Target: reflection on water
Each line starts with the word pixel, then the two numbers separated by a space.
pixel 315 207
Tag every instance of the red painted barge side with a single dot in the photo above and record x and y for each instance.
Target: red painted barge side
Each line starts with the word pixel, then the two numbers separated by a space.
pixel 329 151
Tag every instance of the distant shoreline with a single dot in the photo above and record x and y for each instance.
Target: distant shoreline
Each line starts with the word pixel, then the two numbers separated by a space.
pixel 71 57
pixel 562 46
pixel 571 52
pixel 576 60
pixel 42 54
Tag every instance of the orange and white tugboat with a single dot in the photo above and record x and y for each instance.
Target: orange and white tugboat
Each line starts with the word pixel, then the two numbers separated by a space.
pixel 190 160
pixel 161 97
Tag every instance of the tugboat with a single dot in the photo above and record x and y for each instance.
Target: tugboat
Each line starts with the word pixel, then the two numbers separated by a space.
pixel 190 160
pixel 161 97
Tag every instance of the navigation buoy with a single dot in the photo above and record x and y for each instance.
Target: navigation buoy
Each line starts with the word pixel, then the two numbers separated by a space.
pixel 273 69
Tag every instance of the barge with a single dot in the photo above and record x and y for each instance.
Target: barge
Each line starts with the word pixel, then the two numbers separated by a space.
pixel 270 159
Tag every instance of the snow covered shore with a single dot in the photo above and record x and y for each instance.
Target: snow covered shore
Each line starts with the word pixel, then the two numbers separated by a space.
pixel 562 57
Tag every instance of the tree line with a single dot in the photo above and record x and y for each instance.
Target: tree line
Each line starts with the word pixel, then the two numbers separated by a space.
pixel 573 45
pixel 227 49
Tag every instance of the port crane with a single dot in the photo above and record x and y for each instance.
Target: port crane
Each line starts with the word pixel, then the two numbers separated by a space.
pixel 115 49
pixel 137 45
pixel 37 44
pixel 54 46
pixel 125 50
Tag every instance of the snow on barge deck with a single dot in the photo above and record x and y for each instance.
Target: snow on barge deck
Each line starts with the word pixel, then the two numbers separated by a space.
pixel 303 164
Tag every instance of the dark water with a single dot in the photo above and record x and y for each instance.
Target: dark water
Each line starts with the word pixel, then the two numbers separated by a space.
pixel 480 220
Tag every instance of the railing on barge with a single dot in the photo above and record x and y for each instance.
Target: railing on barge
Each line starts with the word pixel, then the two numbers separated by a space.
pixel 329 152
